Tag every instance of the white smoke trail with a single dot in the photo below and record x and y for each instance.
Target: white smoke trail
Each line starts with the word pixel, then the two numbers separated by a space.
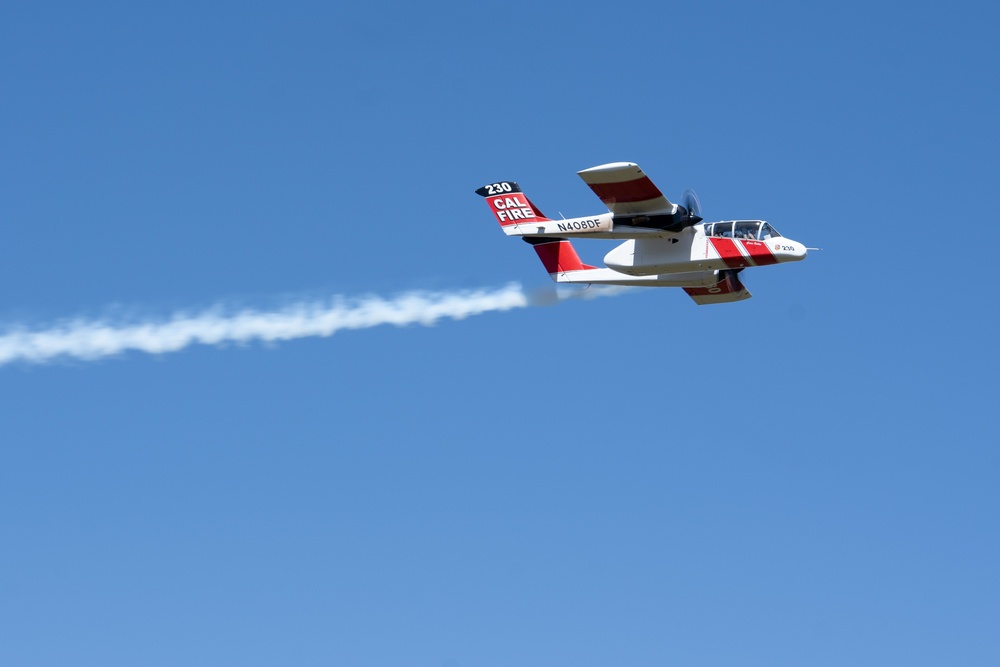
pixel 94 339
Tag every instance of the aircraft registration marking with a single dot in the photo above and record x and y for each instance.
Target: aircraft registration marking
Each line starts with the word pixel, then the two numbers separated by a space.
pixel 579 225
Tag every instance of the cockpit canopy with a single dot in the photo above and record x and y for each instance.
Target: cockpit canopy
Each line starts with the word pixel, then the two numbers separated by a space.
pixel 742 229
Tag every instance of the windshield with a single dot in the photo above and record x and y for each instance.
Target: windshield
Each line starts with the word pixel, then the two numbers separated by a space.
pixel 768 232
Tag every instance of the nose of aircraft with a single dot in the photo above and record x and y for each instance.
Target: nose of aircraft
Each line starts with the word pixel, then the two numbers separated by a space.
pixel 795 251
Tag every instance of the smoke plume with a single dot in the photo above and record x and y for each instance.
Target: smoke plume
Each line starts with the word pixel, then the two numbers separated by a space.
pixel 95 338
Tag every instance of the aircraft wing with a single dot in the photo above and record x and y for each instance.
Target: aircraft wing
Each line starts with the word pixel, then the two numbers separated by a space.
pixel 625 189
pixel 729 289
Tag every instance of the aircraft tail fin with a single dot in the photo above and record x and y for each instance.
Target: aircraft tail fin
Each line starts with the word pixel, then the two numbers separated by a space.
pixel 510 206
pixel 557 255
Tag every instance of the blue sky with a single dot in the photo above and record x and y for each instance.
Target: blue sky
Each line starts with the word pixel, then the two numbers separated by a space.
pixel 805 477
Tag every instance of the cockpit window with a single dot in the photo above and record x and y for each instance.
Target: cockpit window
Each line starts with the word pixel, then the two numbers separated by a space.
pixel 742 229
pixel 719 229
pixel 746 229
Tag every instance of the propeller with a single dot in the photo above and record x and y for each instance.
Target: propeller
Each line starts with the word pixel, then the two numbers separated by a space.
pixel 689 200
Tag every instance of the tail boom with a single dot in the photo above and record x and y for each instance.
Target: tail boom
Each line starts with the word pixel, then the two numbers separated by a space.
pixel 518 216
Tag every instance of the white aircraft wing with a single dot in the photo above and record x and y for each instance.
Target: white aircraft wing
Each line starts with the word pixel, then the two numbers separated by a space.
pixel 625 189
pixel 729 289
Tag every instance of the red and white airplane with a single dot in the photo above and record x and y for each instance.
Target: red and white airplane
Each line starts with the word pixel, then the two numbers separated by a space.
pixel 666 245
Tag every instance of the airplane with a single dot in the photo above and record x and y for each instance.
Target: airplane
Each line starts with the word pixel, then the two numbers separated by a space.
pixel 665 244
